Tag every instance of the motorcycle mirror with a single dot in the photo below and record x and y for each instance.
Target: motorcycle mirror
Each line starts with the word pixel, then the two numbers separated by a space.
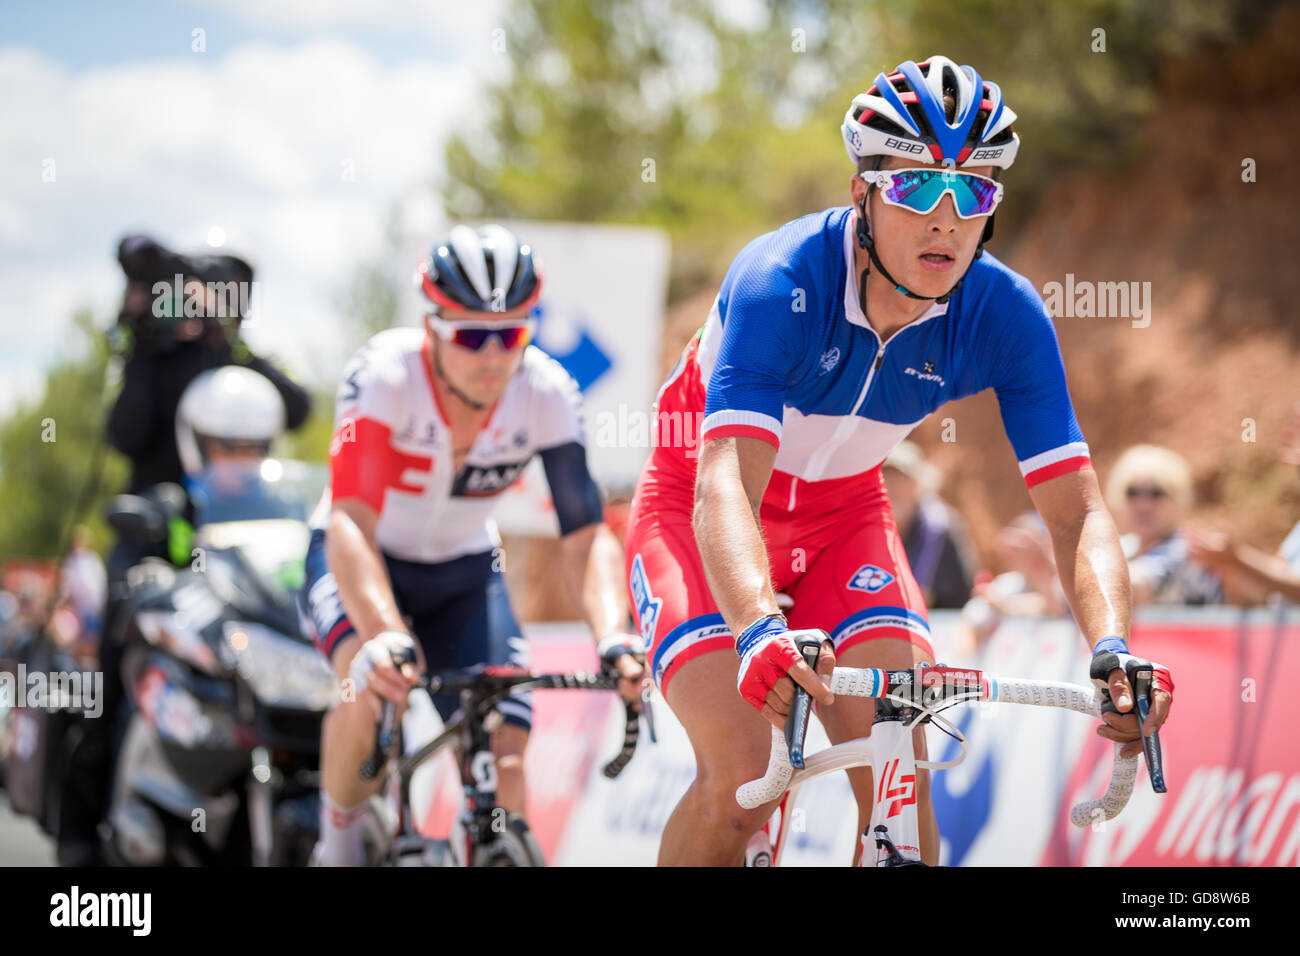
pixel 169 498
pixel 135 518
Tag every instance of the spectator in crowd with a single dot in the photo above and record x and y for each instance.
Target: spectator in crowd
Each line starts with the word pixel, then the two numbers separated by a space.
pixel 933 534
pixel 8 622
pixel 1150 492
pixel 1251 573
pixel 1029 586
pixel 83 584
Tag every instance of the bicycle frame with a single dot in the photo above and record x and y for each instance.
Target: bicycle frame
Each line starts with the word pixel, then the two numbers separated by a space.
pixel 477 774
pixel 895 786
pixel 894 826
pixel 480 691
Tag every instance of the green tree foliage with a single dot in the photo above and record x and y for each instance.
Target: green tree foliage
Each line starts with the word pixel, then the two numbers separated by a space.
pixel 741 119
pixel 46 453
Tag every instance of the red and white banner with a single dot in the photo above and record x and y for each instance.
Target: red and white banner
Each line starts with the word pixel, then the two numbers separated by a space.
pixel 1232 765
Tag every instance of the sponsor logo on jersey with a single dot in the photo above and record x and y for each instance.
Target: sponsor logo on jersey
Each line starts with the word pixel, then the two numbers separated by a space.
pixel 830 358
pixel 870 578
pixel 647 606
pixel 927 375
pixel 475 481
pixel 428 439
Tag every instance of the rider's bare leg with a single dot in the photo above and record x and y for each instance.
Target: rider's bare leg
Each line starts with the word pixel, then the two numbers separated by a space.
pixel 851 717
pixel 347 739
pixel 732 744
pixel 508 743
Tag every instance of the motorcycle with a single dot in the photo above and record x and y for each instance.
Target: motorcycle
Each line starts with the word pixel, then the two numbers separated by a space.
pixel 219 762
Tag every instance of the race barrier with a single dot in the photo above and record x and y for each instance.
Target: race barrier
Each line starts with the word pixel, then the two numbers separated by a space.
pixel 1232 764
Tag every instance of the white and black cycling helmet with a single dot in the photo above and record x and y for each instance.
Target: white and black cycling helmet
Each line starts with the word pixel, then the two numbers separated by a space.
pixel 481 270
pixel 232 405
pixel 903 115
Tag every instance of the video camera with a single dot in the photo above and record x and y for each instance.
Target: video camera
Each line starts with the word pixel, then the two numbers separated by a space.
pixel 154 305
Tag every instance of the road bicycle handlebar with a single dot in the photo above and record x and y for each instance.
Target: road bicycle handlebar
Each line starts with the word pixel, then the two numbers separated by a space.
pixel 927 686
pixel 489 684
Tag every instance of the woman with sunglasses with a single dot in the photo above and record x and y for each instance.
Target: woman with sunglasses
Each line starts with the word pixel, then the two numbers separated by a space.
pixel 431 425
pixel 830 339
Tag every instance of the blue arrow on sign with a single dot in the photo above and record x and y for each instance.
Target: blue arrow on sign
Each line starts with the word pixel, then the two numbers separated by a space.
pixel 586 361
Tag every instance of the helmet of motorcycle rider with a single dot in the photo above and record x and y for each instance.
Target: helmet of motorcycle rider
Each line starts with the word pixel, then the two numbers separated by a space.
pixel 228 412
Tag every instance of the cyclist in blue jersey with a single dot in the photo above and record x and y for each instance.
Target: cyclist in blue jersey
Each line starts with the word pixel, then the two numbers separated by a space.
pixel 830 339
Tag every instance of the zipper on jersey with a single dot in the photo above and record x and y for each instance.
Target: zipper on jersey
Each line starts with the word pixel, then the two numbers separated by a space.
pixel 871 375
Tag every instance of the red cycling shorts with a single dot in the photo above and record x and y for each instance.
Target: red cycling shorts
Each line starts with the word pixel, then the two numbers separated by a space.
pixel 832 546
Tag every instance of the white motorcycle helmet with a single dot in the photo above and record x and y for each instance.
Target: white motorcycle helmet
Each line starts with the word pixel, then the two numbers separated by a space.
pixel 230 404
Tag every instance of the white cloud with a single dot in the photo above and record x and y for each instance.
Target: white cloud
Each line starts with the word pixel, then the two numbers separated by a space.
pixel 257 142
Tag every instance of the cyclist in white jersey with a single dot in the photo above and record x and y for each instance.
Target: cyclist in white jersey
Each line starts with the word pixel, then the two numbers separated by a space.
pixel 431 424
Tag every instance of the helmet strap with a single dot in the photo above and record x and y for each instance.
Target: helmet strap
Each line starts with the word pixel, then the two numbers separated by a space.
pixel 867 242
pixel 442 374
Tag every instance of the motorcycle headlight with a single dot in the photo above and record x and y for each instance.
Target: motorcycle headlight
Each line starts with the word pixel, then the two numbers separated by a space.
pixel 281 671
pixel 171 631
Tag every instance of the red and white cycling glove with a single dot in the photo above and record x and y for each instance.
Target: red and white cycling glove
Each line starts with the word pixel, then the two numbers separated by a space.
pixel 767 652
pixel 1112 652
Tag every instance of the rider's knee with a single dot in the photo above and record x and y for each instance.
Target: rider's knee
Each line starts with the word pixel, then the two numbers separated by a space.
pixel 715 801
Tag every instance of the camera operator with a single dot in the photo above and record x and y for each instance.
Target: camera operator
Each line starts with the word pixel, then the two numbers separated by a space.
pixel 181 321
pixel 172 346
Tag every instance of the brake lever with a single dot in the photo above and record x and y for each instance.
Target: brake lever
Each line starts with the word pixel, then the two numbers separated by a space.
pixel 1140 677
pixel 647 711
pixel 796 725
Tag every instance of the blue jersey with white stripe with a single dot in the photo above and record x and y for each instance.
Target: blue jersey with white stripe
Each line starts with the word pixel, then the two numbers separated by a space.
pixel 788 356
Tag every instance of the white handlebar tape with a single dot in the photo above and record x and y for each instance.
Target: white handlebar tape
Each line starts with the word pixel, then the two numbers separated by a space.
pixel 858 682
pixel 1045 693
pixel 772 784
pixel 1122 777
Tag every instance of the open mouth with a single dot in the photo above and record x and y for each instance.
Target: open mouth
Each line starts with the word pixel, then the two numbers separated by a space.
pixel 937 261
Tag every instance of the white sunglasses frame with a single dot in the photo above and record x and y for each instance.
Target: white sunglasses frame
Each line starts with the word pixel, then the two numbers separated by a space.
pixel 882 179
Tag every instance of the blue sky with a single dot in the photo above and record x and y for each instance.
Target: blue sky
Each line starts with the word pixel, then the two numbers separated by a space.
pixel 84 33
pixel 298 130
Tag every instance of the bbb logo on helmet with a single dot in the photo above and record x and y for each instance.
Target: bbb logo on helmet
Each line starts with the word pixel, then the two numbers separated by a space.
pixel 986 154
pixel 904 146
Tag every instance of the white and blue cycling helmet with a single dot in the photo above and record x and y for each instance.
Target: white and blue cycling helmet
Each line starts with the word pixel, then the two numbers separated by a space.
pixel 903 115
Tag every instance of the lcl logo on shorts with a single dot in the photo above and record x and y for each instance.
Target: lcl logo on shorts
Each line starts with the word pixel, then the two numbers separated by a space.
pixel 870 578
pixel 647 606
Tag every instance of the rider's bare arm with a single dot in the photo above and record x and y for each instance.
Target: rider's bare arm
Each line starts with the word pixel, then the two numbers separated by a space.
pixel 733 474
pixel 1089 560
pixel 1095 578
pixel 353 557
pixel 593 560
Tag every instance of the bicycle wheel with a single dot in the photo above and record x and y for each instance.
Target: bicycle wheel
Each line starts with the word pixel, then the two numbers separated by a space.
pixel 514 845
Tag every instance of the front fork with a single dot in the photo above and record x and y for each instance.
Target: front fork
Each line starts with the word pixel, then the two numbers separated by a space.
pixel 893 835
